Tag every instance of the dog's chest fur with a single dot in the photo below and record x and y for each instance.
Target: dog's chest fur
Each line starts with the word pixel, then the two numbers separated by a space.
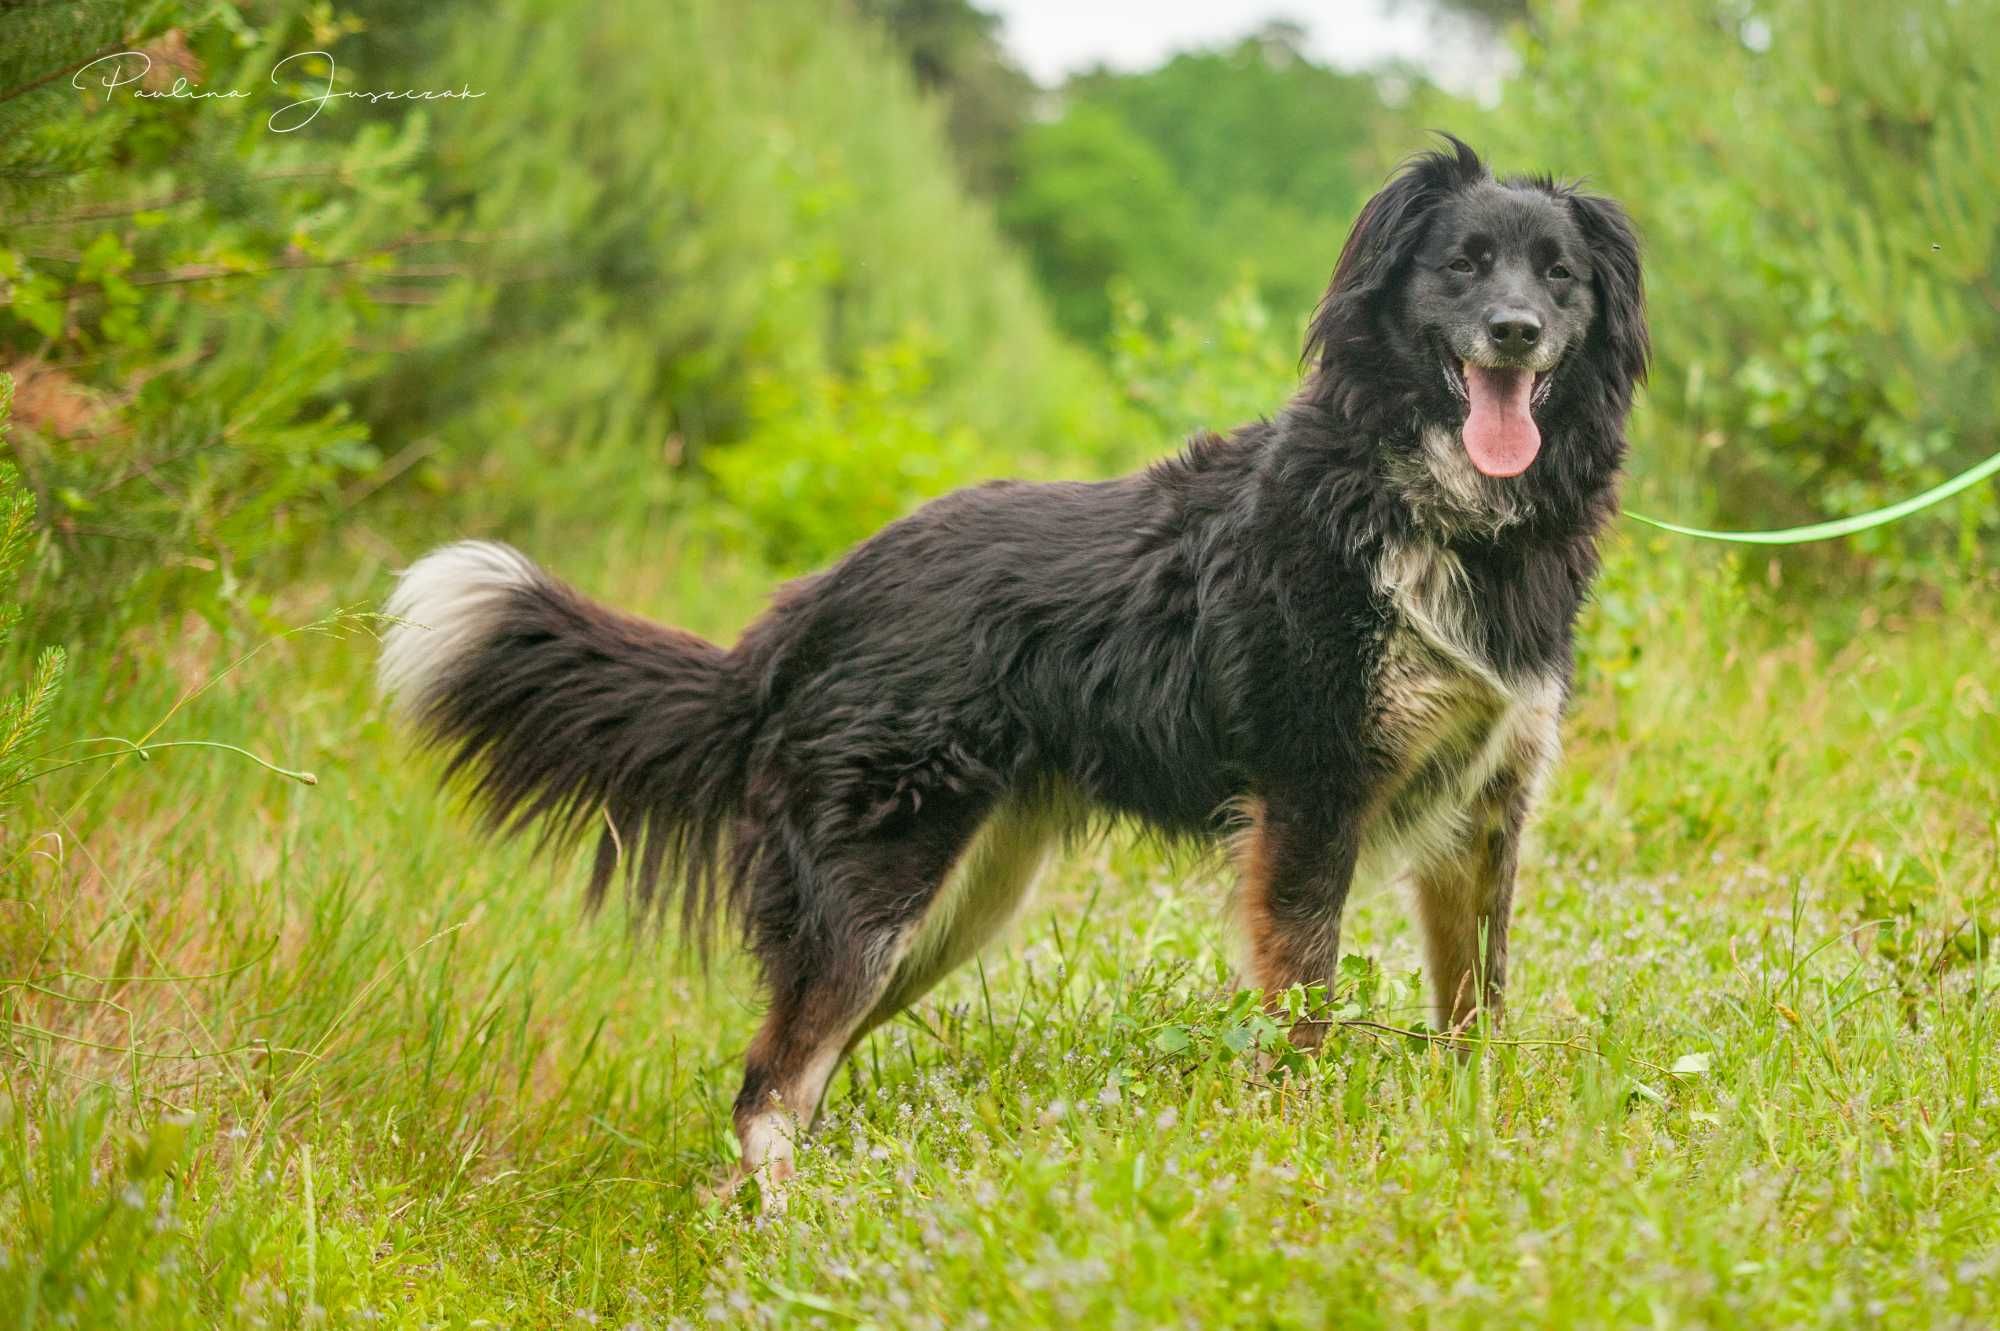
pixel 1453 732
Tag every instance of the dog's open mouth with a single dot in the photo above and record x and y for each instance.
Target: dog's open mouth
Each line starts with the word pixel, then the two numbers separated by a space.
pixel 1500 433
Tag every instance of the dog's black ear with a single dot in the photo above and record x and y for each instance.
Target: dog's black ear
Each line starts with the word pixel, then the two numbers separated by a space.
pixel 1385 235
pixel 1621 288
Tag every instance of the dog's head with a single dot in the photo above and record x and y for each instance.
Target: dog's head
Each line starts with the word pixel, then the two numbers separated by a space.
pixel 1505 317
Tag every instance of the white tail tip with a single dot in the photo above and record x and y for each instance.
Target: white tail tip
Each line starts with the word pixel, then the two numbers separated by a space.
pixel 445 604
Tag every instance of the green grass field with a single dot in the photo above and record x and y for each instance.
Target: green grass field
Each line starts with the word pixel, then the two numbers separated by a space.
pixel 299 1056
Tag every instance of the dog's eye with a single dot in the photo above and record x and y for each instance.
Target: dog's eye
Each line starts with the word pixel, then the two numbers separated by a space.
pixel 1461 264
pixel 1559 273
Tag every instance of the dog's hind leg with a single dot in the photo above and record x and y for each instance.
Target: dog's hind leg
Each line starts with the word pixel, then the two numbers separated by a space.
pixel 830 928
pixel 1296 866
pixel 982 894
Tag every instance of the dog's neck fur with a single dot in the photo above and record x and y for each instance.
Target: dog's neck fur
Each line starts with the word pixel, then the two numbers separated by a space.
pixel 1448 499
pixel 1494 568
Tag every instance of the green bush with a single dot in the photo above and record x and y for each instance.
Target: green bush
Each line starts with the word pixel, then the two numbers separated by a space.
pixel 1216 371
pixel 829 458
pixel 190 300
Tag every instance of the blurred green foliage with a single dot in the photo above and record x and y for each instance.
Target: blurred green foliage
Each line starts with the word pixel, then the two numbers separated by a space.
pixel 1183 179
pixel 1184 374
pixel 830 457
pixel 534 310
pixel 1097 204
pixel 679 204
pixel 189 302
pixel 955 51
pixel 779 272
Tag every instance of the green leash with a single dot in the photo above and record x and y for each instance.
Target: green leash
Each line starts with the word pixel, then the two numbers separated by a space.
pixel 1826 531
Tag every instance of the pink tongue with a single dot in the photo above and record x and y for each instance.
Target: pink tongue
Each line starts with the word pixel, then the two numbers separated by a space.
pixel 1500 434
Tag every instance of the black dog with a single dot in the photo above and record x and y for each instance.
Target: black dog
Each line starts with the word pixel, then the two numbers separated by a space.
pixel 1344 633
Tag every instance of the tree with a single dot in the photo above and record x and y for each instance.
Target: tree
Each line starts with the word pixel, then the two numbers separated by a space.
pixel 1180 178
pixel 1096 202
pixel 954 49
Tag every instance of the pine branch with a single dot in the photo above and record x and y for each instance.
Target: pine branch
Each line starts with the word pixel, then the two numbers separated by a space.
pixel 107 212
pixel 25 716
pixel 54 74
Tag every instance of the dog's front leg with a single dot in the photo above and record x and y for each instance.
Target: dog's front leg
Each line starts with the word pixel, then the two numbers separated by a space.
pixel 1464 903
pixel 1297 862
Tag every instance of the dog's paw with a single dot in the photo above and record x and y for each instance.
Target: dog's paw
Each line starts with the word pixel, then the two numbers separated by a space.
pixel 771 1183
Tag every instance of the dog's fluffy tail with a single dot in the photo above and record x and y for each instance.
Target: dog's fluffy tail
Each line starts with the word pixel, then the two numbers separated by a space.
pixel 558 711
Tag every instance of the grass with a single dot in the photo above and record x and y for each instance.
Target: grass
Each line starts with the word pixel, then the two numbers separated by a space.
pixel 290 1056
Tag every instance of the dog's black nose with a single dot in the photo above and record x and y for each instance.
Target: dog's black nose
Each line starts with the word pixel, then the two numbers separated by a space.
pixel 1513 330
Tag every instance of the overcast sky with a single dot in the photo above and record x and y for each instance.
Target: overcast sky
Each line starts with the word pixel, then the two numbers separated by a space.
pixel 1053 38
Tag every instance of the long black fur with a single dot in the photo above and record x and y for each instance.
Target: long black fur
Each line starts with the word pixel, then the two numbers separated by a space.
pixel 569 715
